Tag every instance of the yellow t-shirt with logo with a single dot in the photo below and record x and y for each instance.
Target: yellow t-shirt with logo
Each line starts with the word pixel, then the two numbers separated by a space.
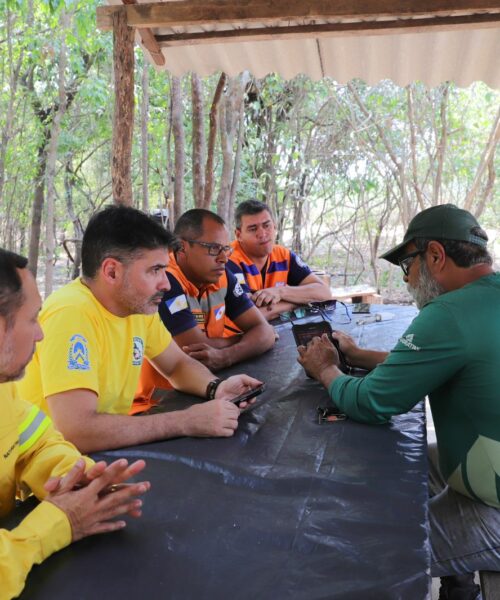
pixel 85 346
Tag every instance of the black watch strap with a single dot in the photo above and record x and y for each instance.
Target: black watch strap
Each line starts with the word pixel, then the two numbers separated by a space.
pixel 212 388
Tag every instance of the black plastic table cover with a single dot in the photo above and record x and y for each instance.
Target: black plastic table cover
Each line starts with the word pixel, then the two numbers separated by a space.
pixel 287 508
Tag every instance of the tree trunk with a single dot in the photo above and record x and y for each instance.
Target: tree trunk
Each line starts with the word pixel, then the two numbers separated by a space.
pixel 14 70
pixel 144 136
pixel 441 147
pixel 170 167
pixel 486 159
pixel 55 130
pixel 77 226
pixel 179 143
pixel 123 121
pixel 237 167
pixel 230 114
pixel 38 201
pixel 198 142
pixel 212 136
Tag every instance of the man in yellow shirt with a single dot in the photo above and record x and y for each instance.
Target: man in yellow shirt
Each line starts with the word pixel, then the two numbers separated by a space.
pixel 35 458
pixel 99 328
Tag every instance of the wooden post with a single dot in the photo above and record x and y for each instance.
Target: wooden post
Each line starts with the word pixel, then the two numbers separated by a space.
pixel 123 120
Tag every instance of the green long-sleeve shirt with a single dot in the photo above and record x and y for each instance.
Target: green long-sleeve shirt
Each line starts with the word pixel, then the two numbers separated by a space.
pixel 450 352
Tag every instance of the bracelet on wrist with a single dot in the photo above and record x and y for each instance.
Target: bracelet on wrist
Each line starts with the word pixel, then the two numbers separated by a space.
pixel 212 388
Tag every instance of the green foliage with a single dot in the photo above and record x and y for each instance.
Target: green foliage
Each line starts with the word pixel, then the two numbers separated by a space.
pixel 335 162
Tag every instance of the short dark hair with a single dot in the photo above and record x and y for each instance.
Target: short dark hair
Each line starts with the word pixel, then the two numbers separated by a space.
pixel 11 285
pixel 123 233
pixel 463 254
pixel 190 224
pixel 249 207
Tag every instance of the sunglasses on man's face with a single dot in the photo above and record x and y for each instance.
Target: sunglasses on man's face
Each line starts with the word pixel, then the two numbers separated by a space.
pixel 406 262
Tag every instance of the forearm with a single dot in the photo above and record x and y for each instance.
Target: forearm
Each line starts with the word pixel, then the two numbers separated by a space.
pixel 191 376
pixel 44 531
pixel 329 375
pixel 367 359
pixel 271 311
pixel 104 431
pixel 226 342
pixel 254 342
pixel 302 294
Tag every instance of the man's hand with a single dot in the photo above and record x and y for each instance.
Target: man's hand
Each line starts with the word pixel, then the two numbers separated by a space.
pixel 235 386
pixel 215 418
pixel 104 496
pixel 347 345
pixel 318 357
pixel 268 296
pixel 213 358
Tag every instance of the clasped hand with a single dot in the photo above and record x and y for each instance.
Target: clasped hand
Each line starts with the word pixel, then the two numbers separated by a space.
pixel 267 296
pixel 92 499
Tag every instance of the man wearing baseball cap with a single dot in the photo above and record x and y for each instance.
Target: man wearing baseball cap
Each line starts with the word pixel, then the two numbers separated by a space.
pixel 450 352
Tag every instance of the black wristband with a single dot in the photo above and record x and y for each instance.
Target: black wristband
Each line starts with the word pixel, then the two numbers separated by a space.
pixel 212 388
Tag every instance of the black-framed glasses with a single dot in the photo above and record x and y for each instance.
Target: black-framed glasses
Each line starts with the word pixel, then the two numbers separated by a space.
pixel 406 262
pixel 213 248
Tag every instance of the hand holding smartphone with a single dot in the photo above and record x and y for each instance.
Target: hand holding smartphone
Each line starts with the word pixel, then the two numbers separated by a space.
pixel 247 396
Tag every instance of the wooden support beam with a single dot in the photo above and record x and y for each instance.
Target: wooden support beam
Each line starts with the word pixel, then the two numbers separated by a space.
pixel 328 30
pixel 123 118
pixel 215 12
pixel 149 42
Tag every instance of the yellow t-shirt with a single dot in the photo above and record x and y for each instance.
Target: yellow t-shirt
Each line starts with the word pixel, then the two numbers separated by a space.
pixel 85 346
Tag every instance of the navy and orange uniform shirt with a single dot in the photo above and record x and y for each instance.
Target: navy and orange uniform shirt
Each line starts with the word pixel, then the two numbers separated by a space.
pixel 283 267
pixel 185 306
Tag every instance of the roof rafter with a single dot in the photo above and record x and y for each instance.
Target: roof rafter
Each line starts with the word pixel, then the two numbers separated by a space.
pixel 325 30
pixel 215 12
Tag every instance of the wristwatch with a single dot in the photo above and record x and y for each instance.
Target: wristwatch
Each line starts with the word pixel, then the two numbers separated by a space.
pixel 212 388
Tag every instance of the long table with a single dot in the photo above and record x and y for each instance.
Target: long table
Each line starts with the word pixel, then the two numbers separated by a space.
pixel 287 508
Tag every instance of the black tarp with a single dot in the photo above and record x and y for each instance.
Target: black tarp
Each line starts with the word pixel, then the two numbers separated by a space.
pixel 286 508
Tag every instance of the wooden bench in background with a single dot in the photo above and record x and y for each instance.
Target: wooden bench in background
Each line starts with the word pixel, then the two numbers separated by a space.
pixel 357 293
pixel 351 293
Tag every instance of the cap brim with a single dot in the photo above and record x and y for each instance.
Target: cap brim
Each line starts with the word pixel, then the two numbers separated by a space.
pixel 395 253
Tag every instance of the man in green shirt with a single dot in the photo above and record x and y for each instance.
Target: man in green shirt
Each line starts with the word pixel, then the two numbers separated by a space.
pixel 450 352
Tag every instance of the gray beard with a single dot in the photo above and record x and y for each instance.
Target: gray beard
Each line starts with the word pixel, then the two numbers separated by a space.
pixel 426 289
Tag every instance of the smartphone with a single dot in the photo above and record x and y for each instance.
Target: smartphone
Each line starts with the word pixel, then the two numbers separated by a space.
pixel 304 333
pixel 246 396
pixel 360 308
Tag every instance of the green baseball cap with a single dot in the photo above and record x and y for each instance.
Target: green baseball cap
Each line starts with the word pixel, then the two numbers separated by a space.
pixel 443 222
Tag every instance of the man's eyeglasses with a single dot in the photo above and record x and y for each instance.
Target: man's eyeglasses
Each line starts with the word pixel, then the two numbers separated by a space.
pixel 213 248
pixel 406 262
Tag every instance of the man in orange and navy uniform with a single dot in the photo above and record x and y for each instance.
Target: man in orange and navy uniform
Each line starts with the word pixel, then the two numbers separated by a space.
pixel 276 279
pixel 202 292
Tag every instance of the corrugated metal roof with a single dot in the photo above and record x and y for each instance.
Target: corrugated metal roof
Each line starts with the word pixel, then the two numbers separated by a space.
pixel 458 51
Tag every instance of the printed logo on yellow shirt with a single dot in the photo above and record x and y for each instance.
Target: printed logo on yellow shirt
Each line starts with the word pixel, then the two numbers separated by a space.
pixel 78 354
pixel 137 351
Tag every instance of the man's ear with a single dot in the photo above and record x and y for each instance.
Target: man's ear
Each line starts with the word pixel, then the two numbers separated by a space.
pixel 3 329
pixel 437 256
pixel 111 270
pixel 182 247
pixel 237 233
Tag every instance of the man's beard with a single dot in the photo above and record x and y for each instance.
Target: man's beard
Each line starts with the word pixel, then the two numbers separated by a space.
pixel 426 289
pixel 6 364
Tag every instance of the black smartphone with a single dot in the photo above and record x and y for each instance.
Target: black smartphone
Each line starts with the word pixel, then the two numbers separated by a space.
pixel 246 396
pixel 304 333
